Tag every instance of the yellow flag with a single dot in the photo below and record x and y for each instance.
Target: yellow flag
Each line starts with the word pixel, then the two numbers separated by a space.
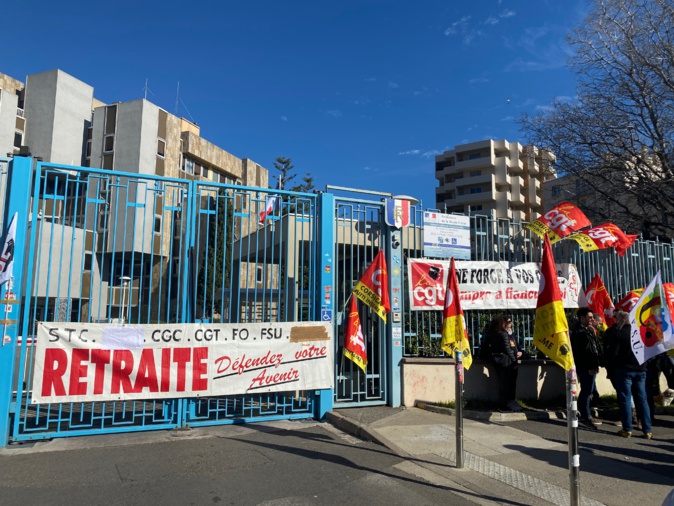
pixel 454 335
pixel 551 330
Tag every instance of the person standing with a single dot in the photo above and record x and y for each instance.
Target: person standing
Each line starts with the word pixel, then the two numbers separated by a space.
pixel 588 358
pixel 504 355
pixel 629 375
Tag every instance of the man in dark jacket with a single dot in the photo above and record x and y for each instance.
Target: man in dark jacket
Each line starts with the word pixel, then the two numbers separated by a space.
pixel 629 376
pixel 587 357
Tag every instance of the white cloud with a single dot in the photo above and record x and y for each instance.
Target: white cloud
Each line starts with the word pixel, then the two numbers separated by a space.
pixel 491 20
pixel 284 118
pixel 458 26
pixel 508 13
pixel 431 153
pixel 410 152
pixel 508 118
pixel 370 79
pixel 478 80
pixel 471 36
pixel 335 113
pixel 393 86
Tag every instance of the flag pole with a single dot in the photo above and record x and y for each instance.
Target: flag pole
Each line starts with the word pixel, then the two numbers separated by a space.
pixel 572 424
pixel 458 400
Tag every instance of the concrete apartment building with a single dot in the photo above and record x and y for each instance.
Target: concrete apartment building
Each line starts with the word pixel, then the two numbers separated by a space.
pixel 57 118
pixel 495 178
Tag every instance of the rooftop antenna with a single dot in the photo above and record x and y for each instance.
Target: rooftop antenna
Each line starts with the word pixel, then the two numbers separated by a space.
pixel 146 88
pixel 177 98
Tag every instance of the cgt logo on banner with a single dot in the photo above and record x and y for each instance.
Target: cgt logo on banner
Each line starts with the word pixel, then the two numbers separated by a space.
pixel 77 362
pixel 486 285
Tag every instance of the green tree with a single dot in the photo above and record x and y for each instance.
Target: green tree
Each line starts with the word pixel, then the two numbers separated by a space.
pixel 285 167
pixel 214 265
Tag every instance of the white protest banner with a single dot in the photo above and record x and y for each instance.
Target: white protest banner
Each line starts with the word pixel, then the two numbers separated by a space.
pixel 486 285
pixel 97 362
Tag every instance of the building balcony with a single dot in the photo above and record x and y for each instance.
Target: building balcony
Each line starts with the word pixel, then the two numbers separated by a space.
pixel 476 163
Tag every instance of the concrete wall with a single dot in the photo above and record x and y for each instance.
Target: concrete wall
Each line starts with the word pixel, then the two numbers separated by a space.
pixel 432 380
pixel 8 104
pixel 58 113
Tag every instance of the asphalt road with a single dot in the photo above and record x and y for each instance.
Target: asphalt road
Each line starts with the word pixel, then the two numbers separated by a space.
pixel 306 464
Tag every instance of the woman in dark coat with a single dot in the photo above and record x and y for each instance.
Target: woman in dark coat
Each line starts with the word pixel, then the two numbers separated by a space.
pixel 504 355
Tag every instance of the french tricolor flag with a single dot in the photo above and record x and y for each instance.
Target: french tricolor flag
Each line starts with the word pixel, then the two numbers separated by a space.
pixel 270 205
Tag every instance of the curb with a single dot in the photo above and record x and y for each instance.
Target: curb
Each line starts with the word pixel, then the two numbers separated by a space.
pixel 363 432
pixel 493 416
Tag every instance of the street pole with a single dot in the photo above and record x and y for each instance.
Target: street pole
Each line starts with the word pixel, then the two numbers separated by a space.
pixel 572 424
pixel 458 396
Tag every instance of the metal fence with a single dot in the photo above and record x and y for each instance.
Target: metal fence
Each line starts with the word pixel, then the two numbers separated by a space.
pixel 129 248
pixel 508 241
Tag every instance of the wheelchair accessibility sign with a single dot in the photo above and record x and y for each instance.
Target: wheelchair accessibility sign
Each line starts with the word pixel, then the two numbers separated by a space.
pixel 326 315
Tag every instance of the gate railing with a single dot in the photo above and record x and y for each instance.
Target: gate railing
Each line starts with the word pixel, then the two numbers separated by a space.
pixel 509 241
pixel 108 246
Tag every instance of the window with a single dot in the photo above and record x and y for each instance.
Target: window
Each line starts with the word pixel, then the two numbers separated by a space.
pixel 188 166
pixel 556 191
pixel 109 143
pixel 259 275
pixel 204 171
pixel 157 224
pixel 476 189
pixel 476 208
pixel 161 148
pixel 88 149
pixel 458 176
pixel 474 156
pixel 475 173
pixel 18 139
pixel 110 119
pixel 87 262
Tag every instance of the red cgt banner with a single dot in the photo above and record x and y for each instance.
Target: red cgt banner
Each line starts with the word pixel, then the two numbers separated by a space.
pixel 604 236
pixel 560 221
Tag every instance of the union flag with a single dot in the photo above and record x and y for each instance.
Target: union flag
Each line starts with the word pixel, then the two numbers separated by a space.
pixel 599 301
pixel 560 221
pixel 354 342
pixel 372 289
pixel 604 236
pixel 551 330
pixel 454 334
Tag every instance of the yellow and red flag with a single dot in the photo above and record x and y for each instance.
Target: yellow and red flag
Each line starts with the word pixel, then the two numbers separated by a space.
pixel 629 300
pixel 551 330
pixel 372 289
pixel 668 288
pixel 599 301
pixel 454 334
pixel 560 221
pixel 354 342
pixel 603 236
pixel 651 322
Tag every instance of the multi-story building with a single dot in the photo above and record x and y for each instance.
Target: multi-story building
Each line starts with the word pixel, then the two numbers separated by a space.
pixel 55 117
pixel 495 178
pixel 12 121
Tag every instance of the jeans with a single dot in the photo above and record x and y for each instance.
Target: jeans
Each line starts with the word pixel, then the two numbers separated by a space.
pixel 633 383
pixel 586 381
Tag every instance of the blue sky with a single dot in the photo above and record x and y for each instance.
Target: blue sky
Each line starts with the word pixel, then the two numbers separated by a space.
pixel 361 93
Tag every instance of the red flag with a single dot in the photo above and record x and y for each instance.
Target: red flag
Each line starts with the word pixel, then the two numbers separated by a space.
pixel 454 334
pixel 560 221
pixel 372 289
pixel 599 301
pixel 603 236
pixel 668 288
pixel 551 330
pixel 630 300
pixel 354 342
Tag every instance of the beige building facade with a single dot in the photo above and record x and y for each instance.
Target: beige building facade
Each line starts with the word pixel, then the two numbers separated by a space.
pixel 495 178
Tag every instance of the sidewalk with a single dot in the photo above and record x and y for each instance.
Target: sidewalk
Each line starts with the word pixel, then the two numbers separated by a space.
pixel 501 463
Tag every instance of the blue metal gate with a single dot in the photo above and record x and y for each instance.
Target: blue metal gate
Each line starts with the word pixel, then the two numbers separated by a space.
pixel 360 232
pixel 107 246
